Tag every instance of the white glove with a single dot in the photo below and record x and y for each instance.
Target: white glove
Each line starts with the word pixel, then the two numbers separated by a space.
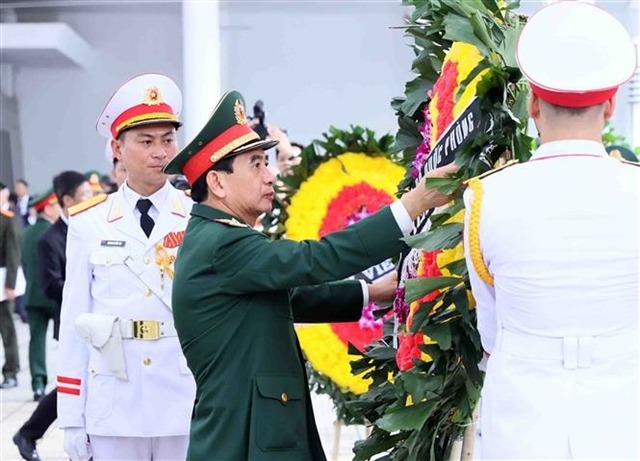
pixel 76 444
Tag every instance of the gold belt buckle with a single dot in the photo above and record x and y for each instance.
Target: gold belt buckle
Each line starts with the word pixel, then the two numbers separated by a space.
pixel 146 329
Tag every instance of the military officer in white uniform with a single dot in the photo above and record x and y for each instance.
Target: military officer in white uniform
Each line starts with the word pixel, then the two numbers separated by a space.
pixel 124 389
pixel 552 250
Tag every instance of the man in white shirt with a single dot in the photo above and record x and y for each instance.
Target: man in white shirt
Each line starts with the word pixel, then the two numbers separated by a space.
pixel 124 381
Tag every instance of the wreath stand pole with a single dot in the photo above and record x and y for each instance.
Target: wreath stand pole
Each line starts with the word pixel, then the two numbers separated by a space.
pixel 337 427
pixel 470 435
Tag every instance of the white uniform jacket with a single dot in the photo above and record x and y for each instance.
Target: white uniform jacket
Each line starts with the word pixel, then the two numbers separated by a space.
pixel 559 235
pixel 157 396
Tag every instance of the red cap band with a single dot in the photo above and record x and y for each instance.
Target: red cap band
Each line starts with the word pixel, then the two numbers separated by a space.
pixel 139 113
pixel 50 199
pixel 567 99
pixel 221 145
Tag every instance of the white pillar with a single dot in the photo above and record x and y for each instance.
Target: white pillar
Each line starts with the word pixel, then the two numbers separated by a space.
pixel 200 62
pixel 634 86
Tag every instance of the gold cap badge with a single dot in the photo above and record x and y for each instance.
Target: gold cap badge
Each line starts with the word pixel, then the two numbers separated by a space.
pixel 152 96
pixel 241 115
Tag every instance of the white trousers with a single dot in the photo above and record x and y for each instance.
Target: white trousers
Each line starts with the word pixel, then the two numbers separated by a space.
pixel 139 448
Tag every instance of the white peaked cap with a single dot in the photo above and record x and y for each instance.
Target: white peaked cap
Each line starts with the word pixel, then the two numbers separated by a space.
pixel 575 54
pixel 145 99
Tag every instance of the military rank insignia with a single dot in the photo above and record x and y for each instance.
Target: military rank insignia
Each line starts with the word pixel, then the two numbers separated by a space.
pixel 231 222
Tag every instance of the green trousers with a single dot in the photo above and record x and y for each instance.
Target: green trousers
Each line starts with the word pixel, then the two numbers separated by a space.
pixel 39 317
pixel 9 340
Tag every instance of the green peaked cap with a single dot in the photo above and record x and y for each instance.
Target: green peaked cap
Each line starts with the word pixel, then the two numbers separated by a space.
pixel 41 200
pixel 226 133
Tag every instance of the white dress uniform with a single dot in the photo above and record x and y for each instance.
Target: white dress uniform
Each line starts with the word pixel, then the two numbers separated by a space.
pixel 552 247
pixel 156 398
pixel 123 379
pixel 559 235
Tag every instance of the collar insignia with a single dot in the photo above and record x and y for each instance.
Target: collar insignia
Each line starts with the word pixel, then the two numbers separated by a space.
pixel 231 222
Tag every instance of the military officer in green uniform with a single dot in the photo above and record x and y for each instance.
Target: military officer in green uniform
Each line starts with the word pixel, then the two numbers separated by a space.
pixel 236 294
pixel 39 307
pixel 10 236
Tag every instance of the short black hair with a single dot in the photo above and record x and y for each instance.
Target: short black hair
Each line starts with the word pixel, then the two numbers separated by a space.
pixel 66 183
pixel 199 191
pixel 22 181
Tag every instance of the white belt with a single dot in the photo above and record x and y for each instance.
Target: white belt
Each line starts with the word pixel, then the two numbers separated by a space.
pixel 147 329
pixel 574 351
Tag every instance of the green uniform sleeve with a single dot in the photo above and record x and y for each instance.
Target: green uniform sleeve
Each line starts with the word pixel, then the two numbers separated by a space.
pixel 329 302
pixel 247 261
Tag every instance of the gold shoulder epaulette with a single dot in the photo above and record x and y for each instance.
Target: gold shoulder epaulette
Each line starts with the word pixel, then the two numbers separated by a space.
pixel 495 170
pixel 629 162
pixel 7 213
pixel 231 222
pixel 89 203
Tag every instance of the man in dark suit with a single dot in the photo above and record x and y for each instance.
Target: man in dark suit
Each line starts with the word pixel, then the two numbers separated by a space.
pixel 70 188
pixel 38 306
pixel 23 198
pixel 236 294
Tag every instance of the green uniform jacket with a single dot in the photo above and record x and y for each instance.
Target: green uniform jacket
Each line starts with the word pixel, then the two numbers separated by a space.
pixel 10 237
pixel 236 295
pixel 34 294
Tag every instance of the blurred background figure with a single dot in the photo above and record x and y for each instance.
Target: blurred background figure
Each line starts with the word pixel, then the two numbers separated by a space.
pixel 10 237
pixel 38 306
pixel 21 189
pixel 94 178
pixel 71 188
pixel 287 155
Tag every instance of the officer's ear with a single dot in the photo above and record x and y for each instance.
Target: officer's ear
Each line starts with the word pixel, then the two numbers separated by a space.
pixel 115 147
pixel 534 106
pixel 215 184
pixel 609 107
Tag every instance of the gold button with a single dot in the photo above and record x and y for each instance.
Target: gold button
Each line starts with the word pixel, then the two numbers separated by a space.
pixel 108 261
pixel 93 371
pixel 148 292
pixel 284 397
pixel 146 259
pixel 147 361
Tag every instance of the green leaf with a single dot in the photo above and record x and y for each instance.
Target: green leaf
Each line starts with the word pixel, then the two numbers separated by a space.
pixel 509 45
pixel 443 237
pixel 440 333
pixel 365 449
pixel 417 385
pixel 407 418
pixel 382 353
pixel 417 288
pixel 447 185
pixel 458 267
pixel 438 219
pixel 459 29
pixel 416 91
